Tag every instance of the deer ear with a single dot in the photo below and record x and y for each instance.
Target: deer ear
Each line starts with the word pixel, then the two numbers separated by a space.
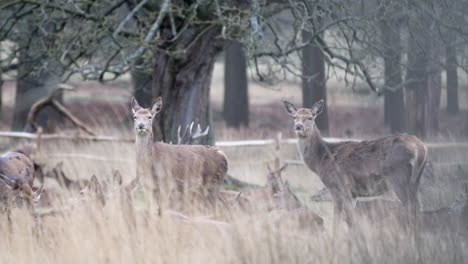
pixel 37 194
pixel 290 108
pixel 157 106
pixel 135 105
pixel 318 107
pixel 94 184
pixel 117 178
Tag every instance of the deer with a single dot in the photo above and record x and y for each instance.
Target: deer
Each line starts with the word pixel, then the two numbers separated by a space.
pixel 172 169
pixel 64 181
pixel 353 169
pixel 102 190
pixel 16 181
pixel 275 200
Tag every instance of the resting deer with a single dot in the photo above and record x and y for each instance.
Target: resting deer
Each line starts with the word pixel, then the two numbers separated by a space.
pixel 175 166
pixel 360 169
pixel 276 199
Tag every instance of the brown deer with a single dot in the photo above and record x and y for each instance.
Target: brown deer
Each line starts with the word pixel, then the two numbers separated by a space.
pixel 102 190
pixel 175 166
pixel 17 173
pixel 276 199
pixel 16 182
pixel 360 169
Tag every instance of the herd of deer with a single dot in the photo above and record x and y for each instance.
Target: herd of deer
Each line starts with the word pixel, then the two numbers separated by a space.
pixel 349 170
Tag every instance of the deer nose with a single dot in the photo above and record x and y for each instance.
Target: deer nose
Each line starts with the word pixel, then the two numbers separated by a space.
pixel 299 127
pixel 141 126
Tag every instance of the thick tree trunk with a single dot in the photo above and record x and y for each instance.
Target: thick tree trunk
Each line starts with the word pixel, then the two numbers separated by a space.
pixel 183 80
pixel 142 91
pixel 434 90
pixel 313 81
pixel 417 78
pixel 236 98
pixel 394 103
pixel 452 75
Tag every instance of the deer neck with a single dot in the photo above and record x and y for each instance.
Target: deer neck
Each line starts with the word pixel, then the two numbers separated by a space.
pixel 313 148
pixel 144 153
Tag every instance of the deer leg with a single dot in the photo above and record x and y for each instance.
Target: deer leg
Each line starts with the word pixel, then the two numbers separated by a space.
pixel 399 177
pixel 10 222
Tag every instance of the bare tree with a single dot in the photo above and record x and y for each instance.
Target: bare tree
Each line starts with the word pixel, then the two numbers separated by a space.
pixel 313 81
pixel 236 97
pixel 177 42
pixel 434 88
pixel 394 103
pixel 142 81
pixel 452 75
pixel 417 73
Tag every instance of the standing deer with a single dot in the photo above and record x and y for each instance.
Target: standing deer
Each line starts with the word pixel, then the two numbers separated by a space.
pixel 360 169
pixel 175 166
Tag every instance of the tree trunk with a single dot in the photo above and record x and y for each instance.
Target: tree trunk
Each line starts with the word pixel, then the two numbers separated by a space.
pixel 142 91
pixel 394 103
pixel 1 95
pixel 434 90
pixel 236 98
pixel 183 80
pixel 417 78
pixel 29 88
pixel 313 80
pixel 452 75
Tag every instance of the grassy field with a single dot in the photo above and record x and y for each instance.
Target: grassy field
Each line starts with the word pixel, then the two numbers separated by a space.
pixel 85 232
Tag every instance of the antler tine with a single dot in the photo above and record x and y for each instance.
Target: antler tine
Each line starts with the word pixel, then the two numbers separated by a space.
pixel 37 194
pixel 199 133
pixel 204 133
pixel 178 135
pixel 190 129
pixel 283 167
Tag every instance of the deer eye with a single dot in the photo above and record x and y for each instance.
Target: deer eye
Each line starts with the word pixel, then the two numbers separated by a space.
pixel 149 117
pixel 310 118
pixel 294 118
pixel 134 117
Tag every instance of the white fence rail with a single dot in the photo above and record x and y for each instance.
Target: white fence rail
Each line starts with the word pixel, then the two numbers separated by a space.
pixel 234 143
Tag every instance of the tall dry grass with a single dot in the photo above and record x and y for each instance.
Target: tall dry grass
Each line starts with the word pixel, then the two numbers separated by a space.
pixel 84 232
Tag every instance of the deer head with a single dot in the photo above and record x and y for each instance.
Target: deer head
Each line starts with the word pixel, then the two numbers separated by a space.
pixel 304 118
pixel 93 190
pixel 21 186
pixel 143 117
pixel 282 195
pixel 100 190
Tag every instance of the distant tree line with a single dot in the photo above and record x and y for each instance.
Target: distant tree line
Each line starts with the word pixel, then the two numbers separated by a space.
pixel 399 49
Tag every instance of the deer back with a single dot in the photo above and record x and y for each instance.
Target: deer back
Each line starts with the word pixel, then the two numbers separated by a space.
pixel 13 163
pixel 186 162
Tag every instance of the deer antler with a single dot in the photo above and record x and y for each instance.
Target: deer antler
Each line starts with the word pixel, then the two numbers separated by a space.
pixel 189 134
pixel 199 133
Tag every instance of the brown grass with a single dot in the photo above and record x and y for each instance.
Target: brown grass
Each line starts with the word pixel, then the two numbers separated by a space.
pixel 88 233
